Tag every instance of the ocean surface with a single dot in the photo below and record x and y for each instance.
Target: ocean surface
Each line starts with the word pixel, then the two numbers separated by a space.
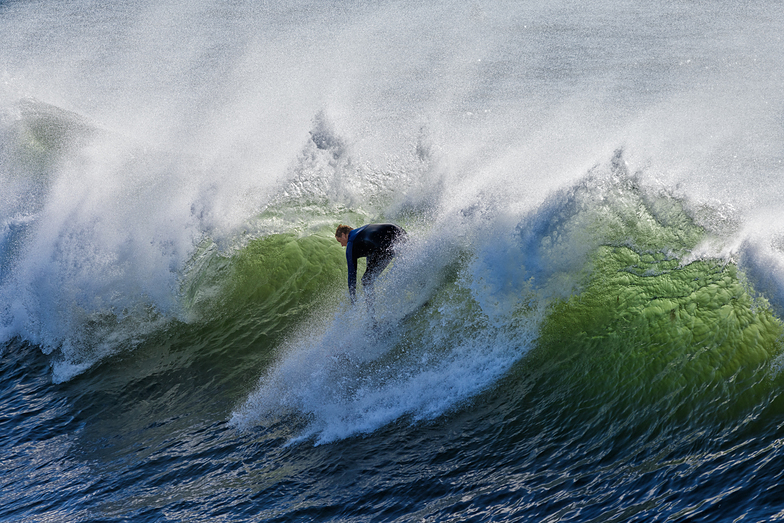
pixel 585 324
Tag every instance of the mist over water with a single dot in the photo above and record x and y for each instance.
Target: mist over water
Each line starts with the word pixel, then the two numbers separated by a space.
pixel 593 195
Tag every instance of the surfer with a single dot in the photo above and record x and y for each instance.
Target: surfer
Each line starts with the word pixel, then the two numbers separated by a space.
pixel 376 242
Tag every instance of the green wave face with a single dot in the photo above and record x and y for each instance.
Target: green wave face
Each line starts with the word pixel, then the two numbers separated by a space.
pixel 284 274
pixel 259 292
pixel 699 318
pixel 642 342
pixel 660 346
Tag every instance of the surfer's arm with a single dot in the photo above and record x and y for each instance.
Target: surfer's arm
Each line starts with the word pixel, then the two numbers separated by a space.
pixel 352 272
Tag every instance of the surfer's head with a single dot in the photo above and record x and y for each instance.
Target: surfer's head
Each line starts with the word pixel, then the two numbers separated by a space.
pixel 341 234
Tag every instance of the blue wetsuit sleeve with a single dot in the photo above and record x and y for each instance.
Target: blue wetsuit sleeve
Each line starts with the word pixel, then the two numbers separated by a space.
pixel 352 271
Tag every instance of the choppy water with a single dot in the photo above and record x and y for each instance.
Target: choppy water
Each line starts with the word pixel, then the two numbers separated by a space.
pixel 584 326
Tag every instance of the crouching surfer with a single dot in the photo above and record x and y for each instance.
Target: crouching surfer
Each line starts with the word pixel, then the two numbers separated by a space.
pixel 377 243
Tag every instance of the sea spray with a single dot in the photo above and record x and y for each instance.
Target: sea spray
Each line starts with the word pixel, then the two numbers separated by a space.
pixel 356 373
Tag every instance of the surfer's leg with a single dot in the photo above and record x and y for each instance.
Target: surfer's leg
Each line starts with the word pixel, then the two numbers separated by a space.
pixel 375 265
pixel 367 286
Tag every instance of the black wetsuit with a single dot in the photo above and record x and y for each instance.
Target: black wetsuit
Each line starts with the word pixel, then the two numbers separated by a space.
pixel 377 243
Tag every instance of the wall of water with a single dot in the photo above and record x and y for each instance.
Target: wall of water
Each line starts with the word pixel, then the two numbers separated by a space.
pixel 131 133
